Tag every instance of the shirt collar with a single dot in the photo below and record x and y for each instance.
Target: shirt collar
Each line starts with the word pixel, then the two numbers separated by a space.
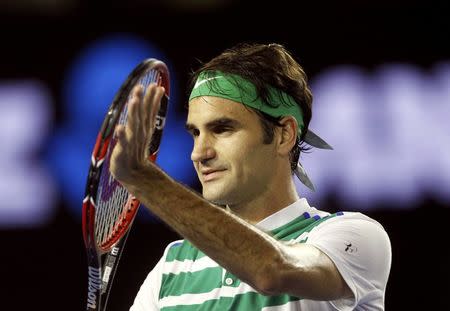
pixel 284 215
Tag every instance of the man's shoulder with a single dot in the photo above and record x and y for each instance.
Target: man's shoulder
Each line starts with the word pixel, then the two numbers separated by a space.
pixel 349 218
pixel 348 226
pixel 175 244
pixel 181 250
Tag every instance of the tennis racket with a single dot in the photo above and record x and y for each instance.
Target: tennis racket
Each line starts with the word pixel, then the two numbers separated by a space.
pixel 108 208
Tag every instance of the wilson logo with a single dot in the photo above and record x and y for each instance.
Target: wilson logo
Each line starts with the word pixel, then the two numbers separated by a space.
pixel 94 285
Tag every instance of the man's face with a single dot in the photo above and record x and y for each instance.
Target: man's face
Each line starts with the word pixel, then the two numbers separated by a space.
pixel 232 163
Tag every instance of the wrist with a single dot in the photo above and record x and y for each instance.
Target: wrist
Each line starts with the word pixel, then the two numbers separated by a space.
pixel 133 179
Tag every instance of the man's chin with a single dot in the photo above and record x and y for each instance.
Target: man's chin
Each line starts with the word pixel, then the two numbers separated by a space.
pixel 216 198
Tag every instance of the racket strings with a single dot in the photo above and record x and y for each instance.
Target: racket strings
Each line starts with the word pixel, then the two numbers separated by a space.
pixel 114 203
pixel 111 202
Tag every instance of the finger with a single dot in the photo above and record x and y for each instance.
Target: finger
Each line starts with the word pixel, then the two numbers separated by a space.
pixel 140 134
pixel 137 91
pixel 133 118
pixel 123 143
pixel 148 131
pixel 144 111
pixel 148 103
pixel 117 156
pixel 119 133
pixel 155 108
pixel 152 106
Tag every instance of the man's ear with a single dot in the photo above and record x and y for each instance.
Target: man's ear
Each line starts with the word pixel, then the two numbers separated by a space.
pixel 288 134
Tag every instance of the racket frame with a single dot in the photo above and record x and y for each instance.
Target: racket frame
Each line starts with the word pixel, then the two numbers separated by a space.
pixel 100 276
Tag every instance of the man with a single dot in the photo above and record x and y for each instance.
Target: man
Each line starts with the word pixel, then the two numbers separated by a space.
pixel 250 242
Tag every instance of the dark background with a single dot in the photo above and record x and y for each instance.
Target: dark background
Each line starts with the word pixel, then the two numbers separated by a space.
pixel 45 268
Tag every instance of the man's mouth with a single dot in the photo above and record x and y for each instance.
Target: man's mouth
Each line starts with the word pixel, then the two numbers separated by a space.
pixel 211 174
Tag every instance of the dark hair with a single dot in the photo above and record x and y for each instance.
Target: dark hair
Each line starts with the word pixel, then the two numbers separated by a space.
pixel 267 65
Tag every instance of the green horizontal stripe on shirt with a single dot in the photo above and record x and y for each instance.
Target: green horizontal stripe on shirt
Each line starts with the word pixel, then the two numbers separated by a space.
pixel 208 279
pixel 183 251
pixel 256 301
pixel 198 282
pixel 296 227
pixel 278 232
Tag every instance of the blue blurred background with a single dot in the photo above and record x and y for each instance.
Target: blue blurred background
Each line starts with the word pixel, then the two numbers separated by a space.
pixel 380 75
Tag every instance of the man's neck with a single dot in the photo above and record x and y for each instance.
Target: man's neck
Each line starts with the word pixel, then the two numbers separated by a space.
pixel 266 204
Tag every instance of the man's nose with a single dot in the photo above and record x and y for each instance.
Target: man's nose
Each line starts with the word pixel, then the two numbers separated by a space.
pixel 203 149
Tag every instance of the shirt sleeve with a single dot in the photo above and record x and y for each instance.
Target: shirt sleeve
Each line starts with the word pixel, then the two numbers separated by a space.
pixel 147 296
pixel 361 250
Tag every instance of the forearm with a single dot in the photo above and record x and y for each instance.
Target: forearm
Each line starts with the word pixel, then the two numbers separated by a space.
pixel 235 245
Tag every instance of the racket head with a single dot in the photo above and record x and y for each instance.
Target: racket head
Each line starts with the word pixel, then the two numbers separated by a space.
pixel 108 209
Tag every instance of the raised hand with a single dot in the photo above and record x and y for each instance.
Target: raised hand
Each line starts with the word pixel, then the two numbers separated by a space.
pixel 131 153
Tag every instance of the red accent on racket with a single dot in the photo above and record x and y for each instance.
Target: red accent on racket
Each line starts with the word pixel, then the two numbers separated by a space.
pixel 108 208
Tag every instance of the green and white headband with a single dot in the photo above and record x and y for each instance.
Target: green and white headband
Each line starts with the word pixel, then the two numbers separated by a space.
pixel 238 89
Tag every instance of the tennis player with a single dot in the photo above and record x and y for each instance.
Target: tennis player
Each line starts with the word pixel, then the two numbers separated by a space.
pixel 250 242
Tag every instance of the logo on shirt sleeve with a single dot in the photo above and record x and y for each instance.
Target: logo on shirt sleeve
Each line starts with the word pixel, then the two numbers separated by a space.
pixel 350 248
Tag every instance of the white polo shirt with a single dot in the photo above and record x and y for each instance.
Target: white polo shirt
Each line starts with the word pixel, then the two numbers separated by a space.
pixel 186 279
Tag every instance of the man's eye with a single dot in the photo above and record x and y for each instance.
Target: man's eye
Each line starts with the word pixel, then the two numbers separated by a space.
pixel 222 129
pixel 194 132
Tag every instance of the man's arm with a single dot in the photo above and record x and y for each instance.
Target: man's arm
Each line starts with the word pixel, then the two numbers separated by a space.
pixel 266 264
